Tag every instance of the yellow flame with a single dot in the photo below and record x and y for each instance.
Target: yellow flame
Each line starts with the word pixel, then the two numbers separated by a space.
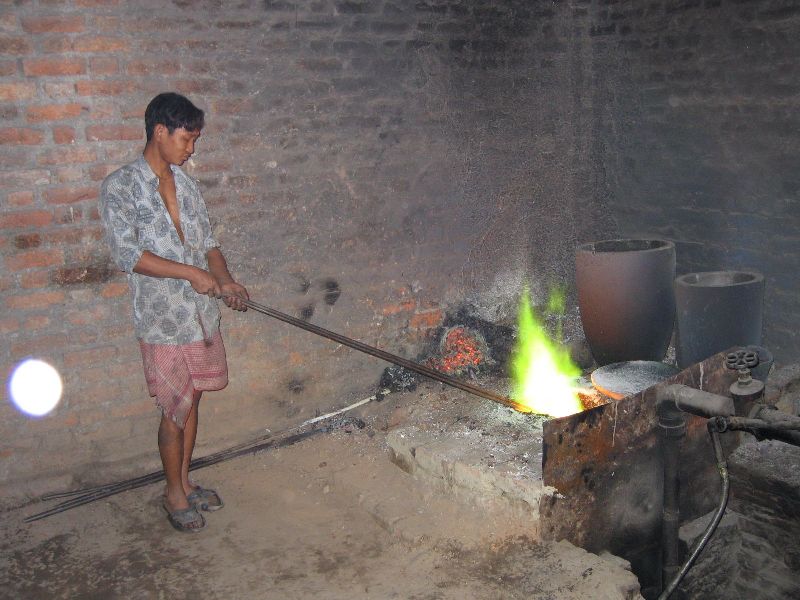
pixel 543 372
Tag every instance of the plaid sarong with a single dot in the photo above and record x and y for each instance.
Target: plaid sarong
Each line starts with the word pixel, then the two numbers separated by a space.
pixel 174 372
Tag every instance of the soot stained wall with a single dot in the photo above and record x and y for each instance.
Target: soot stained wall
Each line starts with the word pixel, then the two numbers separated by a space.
pixel 698 140
pixel 367 164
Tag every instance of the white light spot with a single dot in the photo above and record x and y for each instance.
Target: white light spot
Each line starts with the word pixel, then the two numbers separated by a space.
pixel 35 387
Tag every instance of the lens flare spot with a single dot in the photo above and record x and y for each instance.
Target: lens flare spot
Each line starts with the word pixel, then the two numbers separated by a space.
pixel 35 387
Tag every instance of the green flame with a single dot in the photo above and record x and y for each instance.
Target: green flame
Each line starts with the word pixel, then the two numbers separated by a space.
pixel 543 372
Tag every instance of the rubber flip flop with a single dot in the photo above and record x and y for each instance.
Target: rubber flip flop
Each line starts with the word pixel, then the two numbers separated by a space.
pixel 185 520
pixel 205 499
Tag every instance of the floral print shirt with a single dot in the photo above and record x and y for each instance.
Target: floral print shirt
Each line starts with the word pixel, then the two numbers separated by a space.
pixel 165 310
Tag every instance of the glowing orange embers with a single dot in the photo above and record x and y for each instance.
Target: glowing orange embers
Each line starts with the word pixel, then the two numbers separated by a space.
pixel 462 351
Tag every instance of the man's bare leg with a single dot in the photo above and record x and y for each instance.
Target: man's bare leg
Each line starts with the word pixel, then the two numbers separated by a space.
pixel 189 437
pixel 170 447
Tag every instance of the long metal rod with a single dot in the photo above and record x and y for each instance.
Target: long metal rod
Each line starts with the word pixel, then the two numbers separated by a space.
pixel 387 356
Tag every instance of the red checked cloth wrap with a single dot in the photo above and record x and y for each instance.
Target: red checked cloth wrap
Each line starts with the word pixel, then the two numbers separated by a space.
pixel 174 372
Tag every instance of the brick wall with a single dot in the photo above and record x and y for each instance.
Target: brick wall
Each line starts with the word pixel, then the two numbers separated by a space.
pixel 367 164
pixel 698 141
pixel 408 155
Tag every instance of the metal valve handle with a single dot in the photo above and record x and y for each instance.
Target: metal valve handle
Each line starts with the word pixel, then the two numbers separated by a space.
pixel 741 359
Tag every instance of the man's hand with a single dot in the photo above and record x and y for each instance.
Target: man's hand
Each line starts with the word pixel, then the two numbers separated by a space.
pixel 233 294
pixel 204 283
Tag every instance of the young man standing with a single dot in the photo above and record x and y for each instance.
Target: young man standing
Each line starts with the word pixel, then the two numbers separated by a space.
pixel 159 234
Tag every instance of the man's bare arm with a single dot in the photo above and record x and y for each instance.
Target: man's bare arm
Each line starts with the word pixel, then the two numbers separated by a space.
pixel 202 281
pixel 232 292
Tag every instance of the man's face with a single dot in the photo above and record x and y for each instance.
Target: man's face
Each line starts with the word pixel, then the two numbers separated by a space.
pixel 178 146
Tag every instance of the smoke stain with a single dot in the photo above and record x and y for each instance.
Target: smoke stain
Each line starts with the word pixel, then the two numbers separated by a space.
pixel 307 312
pixel 295 386
pixel 332 291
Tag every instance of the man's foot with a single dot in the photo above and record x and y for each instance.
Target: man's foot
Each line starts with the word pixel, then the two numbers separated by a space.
pixel 205 499
pixel 185 520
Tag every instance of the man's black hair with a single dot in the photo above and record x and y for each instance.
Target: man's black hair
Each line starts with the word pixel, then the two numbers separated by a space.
pixel 173 111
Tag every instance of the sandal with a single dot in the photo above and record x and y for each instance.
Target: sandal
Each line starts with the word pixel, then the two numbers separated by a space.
pixel 205 499
pixel 185 520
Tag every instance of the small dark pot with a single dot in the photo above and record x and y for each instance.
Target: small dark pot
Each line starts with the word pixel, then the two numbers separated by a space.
pixel 626 299
pixel 716 311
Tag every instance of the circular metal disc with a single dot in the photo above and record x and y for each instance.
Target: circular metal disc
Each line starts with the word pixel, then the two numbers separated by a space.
pixel 619 380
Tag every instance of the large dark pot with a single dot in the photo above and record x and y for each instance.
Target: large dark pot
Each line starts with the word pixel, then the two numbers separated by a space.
pixel 626 299
pixel 716 311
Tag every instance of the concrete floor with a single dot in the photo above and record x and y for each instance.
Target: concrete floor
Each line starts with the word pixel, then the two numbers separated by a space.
pixel 330 517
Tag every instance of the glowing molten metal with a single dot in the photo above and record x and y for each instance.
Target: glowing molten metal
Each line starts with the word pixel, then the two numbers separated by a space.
pixel 543 373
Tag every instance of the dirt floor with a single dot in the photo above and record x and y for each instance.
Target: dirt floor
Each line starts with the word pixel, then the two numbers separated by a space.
pixel 329 517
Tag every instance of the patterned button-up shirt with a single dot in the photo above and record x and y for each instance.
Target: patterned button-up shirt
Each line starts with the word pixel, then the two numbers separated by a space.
pixel 165 310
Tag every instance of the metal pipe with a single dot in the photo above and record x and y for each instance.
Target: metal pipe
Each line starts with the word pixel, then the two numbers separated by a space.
pixel 696 402
pixel 387 356
pixel 722 467
pixel 766 422
pixel 672 402
pixel 672 423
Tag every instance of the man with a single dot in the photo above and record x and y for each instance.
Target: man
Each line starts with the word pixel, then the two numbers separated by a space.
pixel 159 233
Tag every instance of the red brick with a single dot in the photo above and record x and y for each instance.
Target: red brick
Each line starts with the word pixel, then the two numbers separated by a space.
pixel 53 24
pixel 37 323
pixel 89 273
pixel 28 218
pixel 44 344
pixel 104 66
pixel 8 67
pixel 20 135
pixel 59 90
pixel 132 409
pixel 69 174
pixel 35 300
pixel 34 258
pixel 23 179
pixel 63 135
pixel 96 133
pixel 74 235
pixel 37 67
pixel 103 88
pixel 88 315
pixel 53 112
pixel 67 214
pixel 23 241
pixel 113 24
pixel 19 199
pixel 195 86
pixel 426 320
pixel 81 358
pixel 114 290
pixel 68 195
pixel 100 172
pixel 121 154
pixel 152 67
pixel 56 44
pixel 9 325
pixel 67 156
pixel 100 44
pixel 96 3
pixel 17 91
pixel 34 280
pixel 14 45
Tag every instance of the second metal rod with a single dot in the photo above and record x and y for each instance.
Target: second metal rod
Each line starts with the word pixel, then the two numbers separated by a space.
pixel 387 356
